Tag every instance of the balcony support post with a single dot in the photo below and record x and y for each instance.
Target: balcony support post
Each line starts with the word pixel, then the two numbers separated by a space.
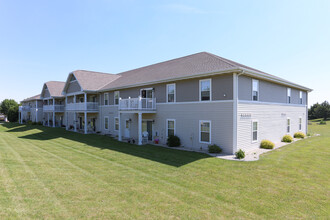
pixel 66 113
pixel 53 112
pixel 140 128
pixel 85 95
pixel 119 127
pixel 48 119
pixel 74 114
pixel 140 103
pixel 36 110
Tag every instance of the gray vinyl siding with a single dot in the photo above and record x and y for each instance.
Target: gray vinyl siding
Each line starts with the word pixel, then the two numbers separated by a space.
pixel 268 91
pixel 73 87
pixel 272 121
pixel 46 93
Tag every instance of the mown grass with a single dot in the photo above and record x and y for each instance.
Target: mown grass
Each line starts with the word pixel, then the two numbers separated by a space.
pixel 53 173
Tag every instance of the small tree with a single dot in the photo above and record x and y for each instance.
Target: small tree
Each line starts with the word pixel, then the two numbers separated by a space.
pixel 13 114
pixel 6 105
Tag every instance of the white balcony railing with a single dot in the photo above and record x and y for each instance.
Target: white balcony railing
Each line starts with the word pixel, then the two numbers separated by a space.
pixel 148 104
pixel 57 108
pixel 91 106
pixel 24 108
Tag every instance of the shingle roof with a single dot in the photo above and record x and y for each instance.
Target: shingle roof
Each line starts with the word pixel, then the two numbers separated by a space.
pixel 36 97
pixel 55 88
pixel 92 81
pixel 187 66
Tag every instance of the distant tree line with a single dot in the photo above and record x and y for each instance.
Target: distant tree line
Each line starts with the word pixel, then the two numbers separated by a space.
pixel 9 107
pixel 319 111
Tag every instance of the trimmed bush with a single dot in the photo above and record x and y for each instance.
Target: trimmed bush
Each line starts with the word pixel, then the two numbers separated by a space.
pixel 287 138
pixel 173 141
pixel 322 122
pixel 240 154
pixel 266 144
pixel 299 135
pixel 214 149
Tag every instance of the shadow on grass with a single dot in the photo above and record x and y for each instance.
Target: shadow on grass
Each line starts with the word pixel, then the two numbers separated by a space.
pixel 162 155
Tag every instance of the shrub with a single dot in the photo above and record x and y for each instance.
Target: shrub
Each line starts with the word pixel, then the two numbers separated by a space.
pixel 240 154
pixel 13 114
pixel 34 123
pixel 266 144
pixel 299 135
pixel 214 149
pixel 322 122
pixel 287 138
pixel 39 123
pixel 173 141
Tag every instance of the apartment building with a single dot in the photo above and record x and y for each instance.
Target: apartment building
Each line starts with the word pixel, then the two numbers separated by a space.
pixel 202 98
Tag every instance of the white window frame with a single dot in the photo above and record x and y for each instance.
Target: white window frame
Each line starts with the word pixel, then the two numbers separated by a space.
pixel 114 122
pixel 167 120
pixel 200 90
pixel 167 85
pixel 200 136
pixel 300 97
pixel 286 125
pixel 255 80
pixel 254 141
pixel 106 94
pixel 289 101
pixel 114 97
pixel 106 117
pixel 300 124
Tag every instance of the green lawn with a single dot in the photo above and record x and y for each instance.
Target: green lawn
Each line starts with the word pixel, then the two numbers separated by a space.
pixel 52 173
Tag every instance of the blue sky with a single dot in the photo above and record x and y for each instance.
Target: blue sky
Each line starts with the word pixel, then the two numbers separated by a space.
pixel 45 40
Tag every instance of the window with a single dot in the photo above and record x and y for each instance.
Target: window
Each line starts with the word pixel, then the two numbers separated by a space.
pixel 116 124
pixel 170 93
pixel 300 123
pixel 106 123
pixel 205 132
pixel 170 127
pixel 116 97
pixel 301 97
pixel 289 95
pixel 73 78
pixel 288 125
pixel 255 90
pixel 254 131
pixel 106 99
pixel 205 90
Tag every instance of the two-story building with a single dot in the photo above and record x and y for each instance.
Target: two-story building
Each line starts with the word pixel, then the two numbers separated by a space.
pixel 30 110
pixel 202 98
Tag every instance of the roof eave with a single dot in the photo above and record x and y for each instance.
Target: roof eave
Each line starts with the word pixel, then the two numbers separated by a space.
pixel 275 79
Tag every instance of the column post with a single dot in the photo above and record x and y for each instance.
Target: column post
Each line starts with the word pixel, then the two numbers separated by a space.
pixel 48 118
pixel 53 112
pixel 85 95
pixel 36 110
pixel 119 127
pixel 74 114
pixel 140 128
pixel 66 113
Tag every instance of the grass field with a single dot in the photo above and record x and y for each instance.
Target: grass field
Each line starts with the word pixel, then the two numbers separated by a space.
pixel 53 173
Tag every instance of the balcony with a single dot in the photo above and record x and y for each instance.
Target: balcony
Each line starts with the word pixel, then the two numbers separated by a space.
pixel 52 108
pixel 137 104
pixel 80 106
pixel 24 108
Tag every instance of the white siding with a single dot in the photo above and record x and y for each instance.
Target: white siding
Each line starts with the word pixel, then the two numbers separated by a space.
pixel 272 122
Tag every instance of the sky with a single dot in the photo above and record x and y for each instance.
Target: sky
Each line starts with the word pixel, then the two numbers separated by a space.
pixel 45 40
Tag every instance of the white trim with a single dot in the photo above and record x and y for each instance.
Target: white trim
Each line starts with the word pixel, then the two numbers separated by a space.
pixel 286 125
pixel 301 101
pixel 235 110
pixel 114 97
pixel 200 96
pixel 171 84
pixel 167 120
pixel 258 89
pixel 114 123
pixel 204 121
pixel 270 103
pixel 196 102
pixel 254 141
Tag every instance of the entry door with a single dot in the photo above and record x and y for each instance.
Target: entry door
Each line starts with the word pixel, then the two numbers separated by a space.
pixel 127 129
pixel 147 93
pixel 147 126
pixel 80 123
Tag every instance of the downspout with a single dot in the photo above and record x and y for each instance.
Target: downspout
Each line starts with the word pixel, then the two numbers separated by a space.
pixel 235 109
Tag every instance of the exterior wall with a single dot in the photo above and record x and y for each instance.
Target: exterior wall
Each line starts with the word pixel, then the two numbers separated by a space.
pixel 268 91
pixel 73 87
pixel 272 119
pixel 46 93
pixel 186 90
pixel 187 116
